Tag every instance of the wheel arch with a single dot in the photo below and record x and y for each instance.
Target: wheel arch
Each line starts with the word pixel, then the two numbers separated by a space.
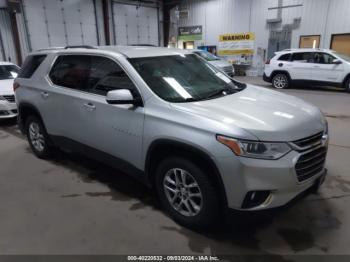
pixel 24 111
pixel 162 148
pixel 275 72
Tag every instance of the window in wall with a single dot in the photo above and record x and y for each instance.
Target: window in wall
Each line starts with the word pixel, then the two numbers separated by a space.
pixel 341 43
pixel 309 41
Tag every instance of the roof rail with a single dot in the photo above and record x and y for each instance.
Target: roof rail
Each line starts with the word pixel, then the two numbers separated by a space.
pixel 80 46
pixel 49 48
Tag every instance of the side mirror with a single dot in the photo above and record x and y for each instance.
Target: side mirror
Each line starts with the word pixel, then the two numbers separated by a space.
pixel 337 61
pixel 122 97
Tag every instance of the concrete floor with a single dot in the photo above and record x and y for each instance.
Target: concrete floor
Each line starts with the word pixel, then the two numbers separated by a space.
pixel 71 205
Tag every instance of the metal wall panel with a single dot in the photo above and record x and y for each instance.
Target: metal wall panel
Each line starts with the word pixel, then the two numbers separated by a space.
pixel 7 46
pixel 318 17
pixel 60 23
pixel 135 24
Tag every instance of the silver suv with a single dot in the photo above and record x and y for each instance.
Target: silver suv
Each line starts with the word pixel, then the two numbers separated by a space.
pixel 202 140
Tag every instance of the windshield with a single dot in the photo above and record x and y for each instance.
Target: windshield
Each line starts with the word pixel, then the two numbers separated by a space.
pixel 8 72
pixel 343 56
pixel 184 78
pixel 207 56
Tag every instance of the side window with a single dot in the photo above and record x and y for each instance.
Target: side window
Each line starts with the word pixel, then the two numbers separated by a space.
pixel 71 71
pixel 285 57
pixel 323 58
pixel 30 65
pixel 107 75
pixel 302 57
pixel 93 74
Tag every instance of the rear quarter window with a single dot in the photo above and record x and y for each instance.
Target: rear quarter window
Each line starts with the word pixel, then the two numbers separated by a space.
pixel 30 65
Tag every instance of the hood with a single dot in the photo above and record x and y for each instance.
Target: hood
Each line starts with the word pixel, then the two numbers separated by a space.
pixel 266 114
pixel 6 87
pixel 220 63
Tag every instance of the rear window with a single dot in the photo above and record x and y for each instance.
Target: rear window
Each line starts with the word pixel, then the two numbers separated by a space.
pixel 30 65
pixel 285 57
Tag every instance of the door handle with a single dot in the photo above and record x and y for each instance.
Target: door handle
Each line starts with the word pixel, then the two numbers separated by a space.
pixel 316 66
pixel 44 95
pixel 90 106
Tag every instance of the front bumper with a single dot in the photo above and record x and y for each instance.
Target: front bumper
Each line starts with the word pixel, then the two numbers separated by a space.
pixel 7 110
pixel 241 176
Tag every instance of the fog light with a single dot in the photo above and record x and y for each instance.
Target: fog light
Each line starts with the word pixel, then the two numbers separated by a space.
pixel 255 198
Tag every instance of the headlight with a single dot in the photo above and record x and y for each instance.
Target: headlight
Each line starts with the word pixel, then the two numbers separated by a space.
pixel 255 149
pixel 2 98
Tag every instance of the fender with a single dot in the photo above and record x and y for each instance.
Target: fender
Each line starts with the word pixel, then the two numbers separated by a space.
pixel 174 146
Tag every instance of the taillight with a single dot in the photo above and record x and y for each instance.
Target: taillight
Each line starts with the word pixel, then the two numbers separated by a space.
pixel 15 86
pixel 267 62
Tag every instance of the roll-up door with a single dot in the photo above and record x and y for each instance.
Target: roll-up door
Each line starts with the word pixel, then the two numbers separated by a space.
pixel 7 46
pixel 135 24
pixel 60 23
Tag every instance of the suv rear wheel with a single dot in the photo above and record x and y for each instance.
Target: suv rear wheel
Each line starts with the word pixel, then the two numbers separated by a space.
pixel 187 193
pixel 280 81
pixel 347 85
pixel 37 137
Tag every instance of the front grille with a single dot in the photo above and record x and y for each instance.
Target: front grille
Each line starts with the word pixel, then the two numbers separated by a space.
pixel 311 163
pixel 308 142
pixel 10 98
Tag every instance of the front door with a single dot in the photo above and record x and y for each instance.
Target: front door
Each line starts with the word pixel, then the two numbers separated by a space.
pixel 325 70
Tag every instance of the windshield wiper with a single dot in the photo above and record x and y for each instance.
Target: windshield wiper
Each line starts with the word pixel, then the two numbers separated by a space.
pixel 220 92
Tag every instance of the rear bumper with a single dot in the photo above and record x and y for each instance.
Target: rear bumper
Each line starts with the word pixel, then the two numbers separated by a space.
pixel 266 78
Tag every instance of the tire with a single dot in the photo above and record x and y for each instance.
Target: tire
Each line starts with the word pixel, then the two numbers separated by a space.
pixel 281 81
pixel 37 137
pixel 192 210
pixel 347 85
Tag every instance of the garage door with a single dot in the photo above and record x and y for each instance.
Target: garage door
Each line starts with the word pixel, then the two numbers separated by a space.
pixel 341 43
pixel 135 24
pixel 7 46
pixel 60 23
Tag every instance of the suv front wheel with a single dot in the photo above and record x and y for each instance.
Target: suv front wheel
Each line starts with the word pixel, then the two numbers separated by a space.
pixel 38 138
pixel 187 193
pixel 280 81
pixel 347 85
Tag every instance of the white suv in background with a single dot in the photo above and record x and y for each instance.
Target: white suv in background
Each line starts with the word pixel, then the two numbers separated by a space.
pixel 8 107
pixel 308 66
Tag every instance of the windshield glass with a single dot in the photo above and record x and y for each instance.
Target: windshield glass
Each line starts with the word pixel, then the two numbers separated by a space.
pixel 184 78
pixel 8 72
pixel 343 56
pixel 207 56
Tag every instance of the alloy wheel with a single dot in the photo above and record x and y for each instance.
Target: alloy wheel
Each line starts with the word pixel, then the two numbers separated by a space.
pixel 183 192
pixel 36 136
pixel 280 81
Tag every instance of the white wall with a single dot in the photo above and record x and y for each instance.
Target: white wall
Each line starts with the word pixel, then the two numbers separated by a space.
pixel 318 17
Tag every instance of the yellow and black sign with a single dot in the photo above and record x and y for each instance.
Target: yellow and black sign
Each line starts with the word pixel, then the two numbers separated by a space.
pixel 237 37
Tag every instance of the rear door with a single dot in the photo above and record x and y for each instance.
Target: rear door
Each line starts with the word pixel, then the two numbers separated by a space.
pixel 325 70
pixel 301 66
pixel 86 117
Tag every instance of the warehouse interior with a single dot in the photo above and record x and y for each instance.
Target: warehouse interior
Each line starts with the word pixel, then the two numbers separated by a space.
pixel 71 205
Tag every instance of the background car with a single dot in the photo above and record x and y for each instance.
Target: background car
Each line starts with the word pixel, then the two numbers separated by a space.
pixel 8 72
pixel 308 66
pixel 222 64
